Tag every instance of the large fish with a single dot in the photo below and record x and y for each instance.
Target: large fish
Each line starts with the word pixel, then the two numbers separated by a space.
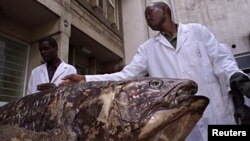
pixel 145 109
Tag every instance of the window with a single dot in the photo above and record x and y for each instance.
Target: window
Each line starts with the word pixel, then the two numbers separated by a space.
pixel 13 63
pixel 81 69
pixel 111 13
pixel 101 4
pixel 243 61
pixel 109 9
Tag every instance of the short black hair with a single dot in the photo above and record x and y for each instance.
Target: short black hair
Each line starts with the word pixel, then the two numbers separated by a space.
pixel 163 6
pixel 50 40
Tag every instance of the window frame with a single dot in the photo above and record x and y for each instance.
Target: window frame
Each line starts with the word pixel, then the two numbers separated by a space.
pixel 24 44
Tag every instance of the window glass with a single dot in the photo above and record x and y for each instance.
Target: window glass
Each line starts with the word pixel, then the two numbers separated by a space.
pixel 13 61
pixel 111 11
pixel 101 4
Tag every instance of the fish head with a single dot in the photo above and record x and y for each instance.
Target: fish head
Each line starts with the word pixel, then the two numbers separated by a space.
pixel 157 106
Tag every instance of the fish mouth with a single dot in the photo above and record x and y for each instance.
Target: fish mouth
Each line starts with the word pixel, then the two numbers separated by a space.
pixel 180 93
pixel 173 98
pixel 181 109
pixel 196 104
pixel 178 120
pixel 184 117
pixel 184 95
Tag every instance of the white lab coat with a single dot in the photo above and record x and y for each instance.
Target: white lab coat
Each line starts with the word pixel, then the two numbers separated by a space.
pixel 198 56
pixel 40 75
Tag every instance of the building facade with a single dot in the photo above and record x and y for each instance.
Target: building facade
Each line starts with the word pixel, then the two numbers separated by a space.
pixel 89 35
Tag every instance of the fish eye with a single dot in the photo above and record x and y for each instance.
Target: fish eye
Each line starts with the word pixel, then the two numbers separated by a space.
pixel 155 83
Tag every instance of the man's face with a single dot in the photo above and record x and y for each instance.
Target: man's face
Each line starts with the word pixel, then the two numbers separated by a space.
pixel 155 17
pixel 47 51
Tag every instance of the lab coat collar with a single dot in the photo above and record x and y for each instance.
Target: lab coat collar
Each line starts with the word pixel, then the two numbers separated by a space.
pixel 159 37
pixel 182 35
pixel 45 72
pixel 61 68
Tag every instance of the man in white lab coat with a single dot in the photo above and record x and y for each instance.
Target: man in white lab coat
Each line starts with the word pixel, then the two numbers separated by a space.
pixel 183 51
pixel 52 71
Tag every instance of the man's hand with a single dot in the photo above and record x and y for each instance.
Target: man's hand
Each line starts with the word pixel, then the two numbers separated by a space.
pixel 73 78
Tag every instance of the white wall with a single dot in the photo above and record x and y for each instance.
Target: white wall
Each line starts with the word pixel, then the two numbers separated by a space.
pixel 134 24
pixel 228 19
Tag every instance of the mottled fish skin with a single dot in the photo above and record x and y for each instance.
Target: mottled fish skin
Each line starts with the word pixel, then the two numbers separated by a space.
pixel 16 133
pixel 137 110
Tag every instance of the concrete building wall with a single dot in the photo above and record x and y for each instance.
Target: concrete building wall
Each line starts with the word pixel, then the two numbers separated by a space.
pixel 135 29
pixel 94 28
